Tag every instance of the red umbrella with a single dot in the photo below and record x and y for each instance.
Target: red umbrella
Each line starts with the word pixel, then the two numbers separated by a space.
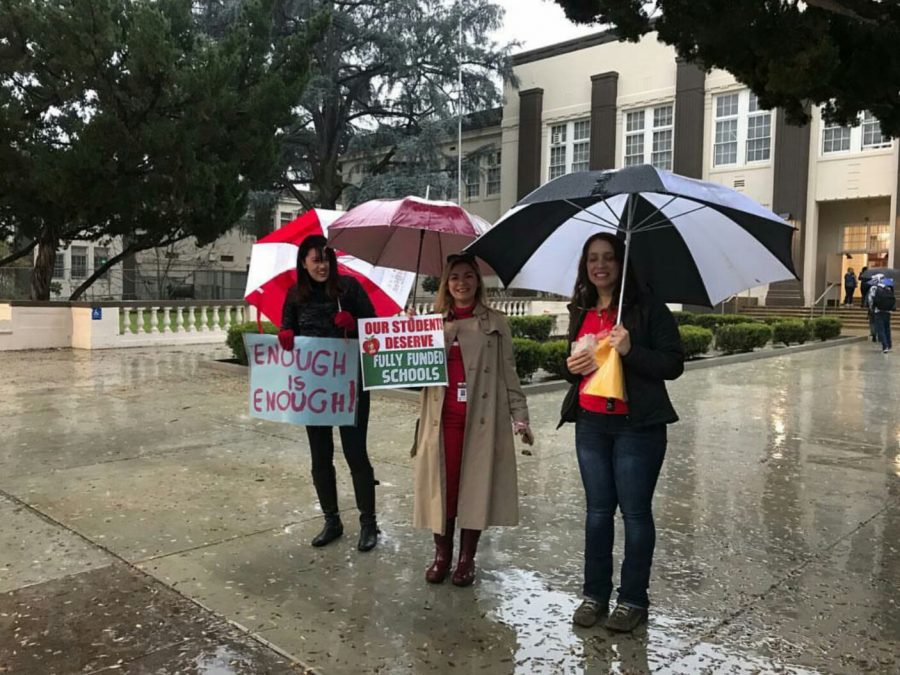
pixel 273 269
pixel 409 234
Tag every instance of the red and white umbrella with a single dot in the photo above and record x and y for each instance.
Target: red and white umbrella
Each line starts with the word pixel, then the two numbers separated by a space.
pixel 273 269
pixel 411 234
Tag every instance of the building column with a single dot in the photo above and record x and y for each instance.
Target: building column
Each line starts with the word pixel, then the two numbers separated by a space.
pixel 791 181
pixel 531 105
pixel 604 94
pixel 894 256
pixel 690 94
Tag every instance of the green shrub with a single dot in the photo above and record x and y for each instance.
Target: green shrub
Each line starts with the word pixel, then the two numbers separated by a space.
pixel 554 355
pixel 827 327
pixel 695 340
pixel 713 321
pixel 527 354
pixel 771 320
pixel 235 338
pixel 742 337
pixel 531 327
pixel 685 318
pixel 790 331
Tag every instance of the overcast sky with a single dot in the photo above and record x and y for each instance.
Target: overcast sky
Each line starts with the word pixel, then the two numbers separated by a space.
pixel 538 23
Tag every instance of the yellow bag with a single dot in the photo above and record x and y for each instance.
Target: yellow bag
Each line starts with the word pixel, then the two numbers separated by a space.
pixel 609 379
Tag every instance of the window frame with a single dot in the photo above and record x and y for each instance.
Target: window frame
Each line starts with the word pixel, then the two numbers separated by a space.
pixel 493 169
pixel 59 265
pixel 569 144
pixel 74 270
pixel 645 135
pixel 740 117
pixel 856 137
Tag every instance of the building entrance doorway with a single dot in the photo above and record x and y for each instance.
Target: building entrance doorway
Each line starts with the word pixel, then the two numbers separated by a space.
pixel 863 245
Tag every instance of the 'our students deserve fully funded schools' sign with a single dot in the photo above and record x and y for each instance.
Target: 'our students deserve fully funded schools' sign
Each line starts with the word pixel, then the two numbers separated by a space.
pixel 315 383
pixel 403 352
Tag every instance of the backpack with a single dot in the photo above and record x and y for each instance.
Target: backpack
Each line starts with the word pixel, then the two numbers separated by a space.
pixel 884 300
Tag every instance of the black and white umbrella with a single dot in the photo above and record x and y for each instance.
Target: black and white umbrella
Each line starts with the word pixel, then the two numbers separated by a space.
pixel 689 241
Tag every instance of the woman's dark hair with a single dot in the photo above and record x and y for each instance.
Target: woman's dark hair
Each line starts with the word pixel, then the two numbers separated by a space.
pixel 585 293
pixel 317 243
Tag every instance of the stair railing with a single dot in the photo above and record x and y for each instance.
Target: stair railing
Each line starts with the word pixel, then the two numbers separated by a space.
pixel 827 290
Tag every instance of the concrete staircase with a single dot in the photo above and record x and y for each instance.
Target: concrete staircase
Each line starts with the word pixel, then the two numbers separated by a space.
pixel 854 318
pixel 785 294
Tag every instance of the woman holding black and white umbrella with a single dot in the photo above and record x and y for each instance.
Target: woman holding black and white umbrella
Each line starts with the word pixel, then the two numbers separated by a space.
pixel 620 445
pixel 689 241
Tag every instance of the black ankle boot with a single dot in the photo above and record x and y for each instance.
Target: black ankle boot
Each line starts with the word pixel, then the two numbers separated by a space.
pixel 368 536
pixel 364 489
pixel 333 529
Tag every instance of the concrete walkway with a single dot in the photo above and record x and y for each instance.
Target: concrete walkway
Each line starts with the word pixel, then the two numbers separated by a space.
pixel 148 525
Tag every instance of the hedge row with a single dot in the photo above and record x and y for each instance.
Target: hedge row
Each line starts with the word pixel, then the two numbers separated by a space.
pixel 730 335
pixel 532 327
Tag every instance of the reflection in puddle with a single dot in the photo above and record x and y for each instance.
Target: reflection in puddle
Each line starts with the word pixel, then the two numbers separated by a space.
pixel 547 641
pixel 223 662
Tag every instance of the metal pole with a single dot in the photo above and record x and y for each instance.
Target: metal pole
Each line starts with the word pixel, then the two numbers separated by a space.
pixel 459 181
pixel 418 262
pixel 629 219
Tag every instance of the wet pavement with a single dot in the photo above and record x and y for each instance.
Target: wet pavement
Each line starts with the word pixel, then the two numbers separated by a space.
pixel 148 525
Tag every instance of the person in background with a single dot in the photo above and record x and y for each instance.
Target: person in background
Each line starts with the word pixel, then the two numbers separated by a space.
pixel 326 304
pixel 863 288
pixel 620 444
pixel 883 303
pixel 849 286
pixel 465 455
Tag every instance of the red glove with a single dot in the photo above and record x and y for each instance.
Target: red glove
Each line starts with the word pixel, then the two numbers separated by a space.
pixel 286 339
pixel 345 320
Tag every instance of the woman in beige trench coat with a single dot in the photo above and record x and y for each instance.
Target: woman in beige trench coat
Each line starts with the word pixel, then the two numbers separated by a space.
pixel 465 452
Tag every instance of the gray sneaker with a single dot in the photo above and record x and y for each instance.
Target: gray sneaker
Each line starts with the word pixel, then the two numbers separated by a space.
pixel 625 618
pixel 589 612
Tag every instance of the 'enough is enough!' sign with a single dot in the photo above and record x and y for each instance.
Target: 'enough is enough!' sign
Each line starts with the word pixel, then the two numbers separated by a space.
pixel 315 383
pixel 403 352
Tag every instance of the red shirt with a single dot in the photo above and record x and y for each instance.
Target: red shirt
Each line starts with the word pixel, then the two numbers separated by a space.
pixel 601 325
pixel 456 370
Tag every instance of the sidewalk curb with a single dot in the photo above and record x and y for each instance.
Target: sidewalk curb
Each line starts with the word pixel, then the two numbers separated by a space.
pixel 561 385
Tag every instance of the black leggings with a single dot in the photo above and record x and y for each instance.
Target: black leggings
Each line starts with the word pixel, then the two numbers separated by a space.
pixel 353 442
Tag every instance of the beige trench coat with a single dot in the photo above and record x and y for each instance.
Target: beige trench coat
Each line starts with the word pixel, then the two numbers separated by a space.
pixel 488 487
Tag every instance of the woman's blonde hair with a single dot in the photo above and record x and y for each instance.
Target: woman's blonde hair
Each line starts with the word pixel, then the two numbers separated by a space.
pixel 443 301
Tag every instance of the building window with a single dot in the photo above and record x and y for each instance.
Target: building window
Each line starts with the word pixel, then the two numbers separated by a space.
pixel 743 130
pixel 493 174
pixel 570 148
pixel 227 258
pixel 871 133
pixel 79 262
pixel 285 217
pixel 473 183
pixel 871 238
pixel 649 137
pixel 759 131
pixel 835 138
pixel 557 150
pixel 866 135
pixel 59 265
pixel 581 145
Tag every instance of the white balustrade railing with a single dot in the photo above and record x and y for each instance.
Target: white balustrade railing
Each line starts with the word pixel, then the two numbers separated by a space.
pixel 509 306
pixel 152 319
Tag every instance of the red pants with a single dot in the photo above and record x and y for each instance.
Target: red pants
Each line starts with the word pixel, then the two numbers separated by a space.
pixel 454 421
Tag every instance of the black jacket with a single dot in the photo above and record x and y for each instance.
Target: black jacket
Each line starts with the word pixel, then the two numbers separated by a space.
pixel 315 316
pixel 656 356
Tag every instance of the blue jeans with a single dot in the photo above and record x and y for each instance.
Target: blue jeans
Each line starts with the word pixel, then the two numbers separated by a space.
pixel 619 468
pixel 882 321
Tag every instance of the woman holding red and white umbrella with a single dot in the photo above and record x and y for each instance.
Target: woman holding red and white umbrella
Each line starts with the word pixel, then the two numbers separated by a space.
pixel 326 304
